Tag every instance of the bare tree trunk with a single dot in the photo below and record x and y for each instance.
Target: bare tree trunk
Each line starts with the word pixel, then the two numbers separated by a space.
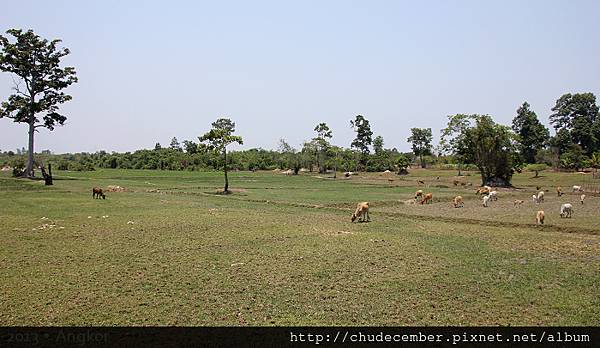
pixel 29 169
pixel 225 168
pixel 47 176
pixel 335 166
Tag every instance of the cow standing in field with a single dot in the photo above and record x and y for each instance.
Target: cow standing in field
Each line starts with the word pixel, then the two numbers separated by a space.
pixel 539 217
pixel 97 193
pixel 458 202
pixel 428 198
pixel 362 209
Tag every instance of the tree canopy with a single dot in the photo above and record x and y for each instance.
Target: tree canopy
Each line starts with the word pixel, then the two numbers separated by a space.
pixel 40 80
pixel 532 135
pixel 218 138
pixel 578 114
pixel 490 147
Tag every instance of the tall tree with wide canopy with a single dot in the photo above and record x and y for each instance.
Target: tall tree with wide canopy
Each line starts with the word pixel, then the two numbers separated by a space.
pixel 532 134
pixel 491 148
pixel 218 138
pixel 421 142
pixel 35 62
pixel 578 114
pixel 363 137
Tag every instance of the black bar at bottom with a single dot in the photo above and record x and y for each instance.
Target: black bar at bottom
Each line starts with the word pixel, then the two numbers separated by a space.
pixel 299 336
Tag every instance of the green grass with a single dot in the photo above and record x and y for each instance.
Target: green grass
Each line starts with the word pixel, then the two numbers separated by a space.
pixel 282 251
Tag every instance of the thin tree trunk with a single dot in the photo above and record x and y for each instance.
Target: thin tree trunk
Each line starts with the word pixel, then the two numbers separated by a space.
pixel 225 167
pixel 335 166
pixel 29 169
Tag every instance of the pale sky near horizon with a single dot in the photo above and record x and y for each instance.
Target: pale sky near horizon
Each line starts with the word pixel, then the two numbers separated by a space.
pixel 152 70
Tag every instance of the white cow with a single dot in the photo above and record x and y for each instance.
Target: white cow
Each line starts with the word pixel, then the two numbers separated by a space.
pixel 566 210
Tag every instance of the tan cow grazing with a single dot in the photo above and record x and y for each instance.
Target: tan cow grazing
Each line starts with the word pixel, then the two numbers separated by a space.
pixel 427 198
pixel 458 202
pixel 484 190
pixel 418 194
pixel 539 217
pixel 97 193
pixel 362 210
pixel 582 198
pixel 559 191
pixel 518 202
pixel 540 197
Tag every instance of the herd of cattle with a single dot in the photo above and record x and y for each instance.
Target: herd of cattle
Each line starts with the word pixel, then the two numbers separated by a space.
pixel 488 194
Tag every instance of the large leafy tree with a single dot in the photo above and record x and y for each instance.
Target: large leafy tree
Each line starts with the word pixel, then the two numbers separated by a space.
pixel 421 142
pixel 378 145
pixel 218 138
pixel 532 134
pixel 35 62
pixel 450 140
pixel 322 143
pixel 578 114
pixel 363 137
pixel 491 148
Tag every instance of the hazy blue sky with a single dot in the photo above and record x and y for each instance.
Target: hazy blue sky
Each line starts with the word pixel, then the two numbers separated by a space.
pixel 149 71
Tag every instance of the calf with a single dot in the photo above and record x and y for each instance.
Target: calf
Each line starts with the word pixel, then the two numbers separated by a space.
pixel 97 193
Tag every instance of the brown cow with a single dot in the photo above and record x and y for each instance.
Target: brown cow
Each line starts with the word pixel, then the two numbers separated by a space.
pixel 97 193
pixel 427 198
pixel 362 209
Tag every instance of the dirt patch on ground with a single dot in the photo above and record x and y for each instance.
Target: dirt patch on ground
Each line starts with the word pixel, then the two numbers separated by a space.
pixel 230 191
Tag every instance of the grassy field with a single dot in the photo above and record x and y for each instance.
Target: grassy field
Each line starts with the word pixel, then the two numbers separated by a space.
pixel 282 251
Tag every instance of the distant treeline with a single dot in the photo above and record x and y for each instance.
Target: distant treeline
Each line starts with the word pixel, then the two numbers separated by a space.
pixel 201 159
pixel 467 142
